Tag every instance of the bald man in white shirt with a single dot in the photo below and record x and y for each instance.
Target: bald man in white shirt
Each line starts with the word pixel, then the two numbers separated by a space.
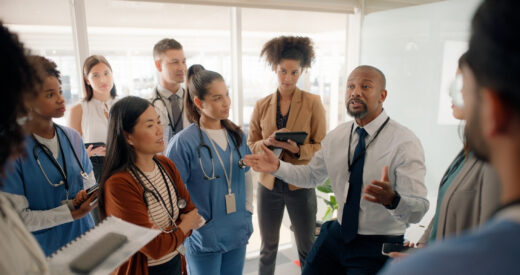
pixel 378 180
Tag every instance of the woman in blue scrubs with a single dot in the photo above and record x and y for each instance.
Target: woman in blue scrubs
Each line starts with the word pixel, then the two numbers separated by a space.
pixel 208 156
pixel 47 184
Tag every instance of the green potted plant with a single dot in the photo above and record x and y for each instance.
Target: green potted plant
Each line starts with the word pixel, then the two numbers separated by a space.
pixel 332 204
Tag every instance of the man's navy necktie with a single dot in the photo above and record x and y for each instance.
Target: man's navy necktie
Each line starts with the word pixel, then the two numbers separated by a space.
pixel 350 219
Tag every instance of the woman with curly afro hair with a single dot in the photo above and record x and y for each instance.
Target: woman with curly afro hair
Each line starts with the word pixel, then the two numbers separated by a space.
pixel 287 109
pixel 20 251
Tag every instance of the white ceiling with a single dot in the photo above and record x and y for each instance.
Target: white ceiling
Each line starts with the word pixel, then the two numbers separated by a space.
pixel 185 14
pixel 340 6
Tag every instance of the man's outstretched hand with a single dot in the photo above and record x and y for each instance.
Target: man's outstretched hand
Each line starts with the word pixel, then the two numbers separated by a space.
pixel 266 162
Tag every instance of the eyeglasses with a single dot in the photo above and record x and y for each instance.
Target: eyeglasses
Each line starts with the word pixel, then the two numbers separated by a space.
pixel 455 91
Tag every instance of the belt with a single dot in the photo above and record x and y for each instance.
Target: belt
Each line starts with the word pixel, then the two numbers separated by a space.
pixel 381 238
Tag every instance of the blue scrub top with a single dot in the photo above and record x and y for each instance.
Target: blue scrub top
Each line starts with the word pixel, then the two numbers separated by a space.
pixel 24 177
pixel 222 232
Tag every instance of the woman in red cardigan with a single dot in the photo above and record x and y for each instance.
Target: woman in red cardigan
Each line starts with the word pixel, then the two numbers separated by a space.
pixel 146 189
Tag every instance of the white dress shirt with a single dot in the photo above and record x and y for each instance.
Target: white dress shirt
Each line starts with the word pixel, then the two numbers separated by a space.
pixel 396 147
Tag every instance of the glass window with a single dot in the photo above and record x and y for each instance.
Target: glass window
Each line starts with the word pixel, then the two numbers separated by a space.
pixel 126 31
pixel 45 29
pixel 323 78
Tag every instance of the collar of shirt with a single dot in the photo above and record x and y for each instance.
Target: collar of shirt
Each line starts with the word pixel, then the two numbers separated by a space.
pixel 165 93
pixel 371 129
pixel 374 125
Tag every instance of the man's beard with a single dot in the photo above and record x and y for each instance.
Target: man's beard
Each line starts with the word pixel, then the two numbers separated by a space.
pixel 476 142
pixel 357 114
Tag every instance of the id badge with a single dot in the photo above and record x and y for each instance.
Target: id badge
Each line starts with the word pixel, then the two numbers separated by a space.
pixel 230 203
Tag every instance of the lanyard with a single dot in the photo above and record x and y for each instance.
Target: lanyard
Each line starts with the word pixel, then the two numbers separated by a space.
pixel 159 197
pixel 364 149
pixel 230 177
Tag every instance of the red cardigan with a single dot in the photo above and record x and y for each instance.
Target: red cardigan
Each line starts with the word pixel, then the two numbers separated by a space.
pixel 123 197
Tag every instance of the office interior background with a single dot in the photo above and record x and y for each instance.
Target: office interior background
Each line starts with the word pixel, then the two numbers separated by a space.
pixel 416 43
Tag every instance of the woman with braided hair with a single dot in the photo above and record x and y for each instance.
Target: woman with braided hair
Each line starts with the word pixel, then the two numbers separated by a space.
pixel 286 109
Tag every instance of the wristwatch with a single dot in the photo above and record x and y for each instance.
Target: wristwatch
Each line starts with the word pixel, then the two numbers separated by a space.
pixel 395 202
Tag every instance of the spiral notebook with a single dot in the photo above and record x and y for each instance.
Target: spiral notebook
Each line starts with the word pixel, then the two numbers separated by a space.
pixel 137 237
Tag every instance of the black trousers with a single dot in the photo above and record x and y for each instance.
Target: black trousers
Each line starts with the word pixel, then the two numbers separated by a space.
pixel 172 267
pixel 301 206
pixel 330 254
pixel 97 167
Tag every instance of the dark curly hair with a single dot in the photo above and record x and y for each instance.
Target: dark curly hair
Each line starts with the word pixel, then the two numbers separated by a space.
pixel 289 47
pixel 18 79
pixel 44 67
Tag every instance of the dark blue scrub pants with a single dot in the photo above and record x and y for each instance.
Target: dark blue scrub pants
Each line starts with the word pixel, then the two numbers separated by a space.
pixel 226 263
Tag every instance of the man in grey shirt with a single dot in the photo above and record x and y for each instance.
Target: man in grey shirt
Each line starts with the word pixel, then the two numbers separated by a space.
pixel 354 156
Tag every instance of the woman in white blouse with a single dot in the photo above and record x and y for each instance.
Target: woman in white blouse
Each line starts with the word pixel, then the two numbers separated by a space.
pixel 90 116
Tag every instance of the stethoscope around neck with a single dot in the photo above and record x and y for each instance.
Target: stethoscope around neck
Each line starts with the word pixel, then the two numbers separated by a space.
pixel 181 202
pixel 61 170
pixel 170 120
pixel 203 145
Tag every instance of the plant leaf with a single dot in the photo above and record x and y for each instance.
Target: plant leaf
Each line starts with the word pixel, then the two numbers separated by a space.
pixel 325 187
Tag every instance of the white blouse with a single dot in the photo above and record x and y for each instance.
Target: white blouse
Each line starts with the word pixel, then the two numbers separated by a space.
pixel 94 123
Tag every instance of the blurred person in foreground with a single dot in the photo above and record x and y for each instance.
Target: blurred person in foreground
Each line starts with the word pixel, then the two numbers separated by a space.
pixel 20 253
pixel 491 92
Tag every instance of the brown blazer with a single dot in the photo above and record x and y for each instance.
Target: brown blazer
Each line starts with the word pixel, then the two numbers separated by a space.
pixel 123 197
pixel 470 200
pixel 306 114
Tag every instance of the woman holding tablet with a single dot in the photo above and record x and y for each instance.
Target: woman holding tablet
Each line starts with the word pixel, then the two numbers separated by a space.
pixel 90 116
pixel 287 109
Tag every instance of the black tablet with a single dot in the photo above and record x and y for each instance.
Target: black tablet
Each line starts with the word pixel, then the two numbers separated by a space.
pixel 94 144
pixel 298 137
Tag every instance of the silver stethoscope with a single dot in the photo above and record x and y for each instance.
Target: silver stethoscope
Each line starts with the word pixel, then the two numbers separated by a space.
pixel 170 121
pixel 203 145
pixel 61 170
pixel 181 202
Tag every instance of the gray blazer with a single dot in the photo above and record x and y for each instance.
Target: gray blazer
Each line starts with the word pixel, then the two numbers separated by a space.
pixel 470 201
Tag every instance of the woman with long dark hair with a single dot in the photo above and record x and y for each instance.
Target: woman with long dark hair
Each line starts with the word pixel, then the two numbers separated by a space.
pixel 469 192
pixel 90 116
pixel 144 188
pixel 47 185
pixel 208 155
pixel 287 109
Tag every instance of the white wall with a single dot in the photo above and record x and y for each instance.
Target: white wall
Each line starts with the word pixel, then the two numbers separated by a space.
pixel 409 46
